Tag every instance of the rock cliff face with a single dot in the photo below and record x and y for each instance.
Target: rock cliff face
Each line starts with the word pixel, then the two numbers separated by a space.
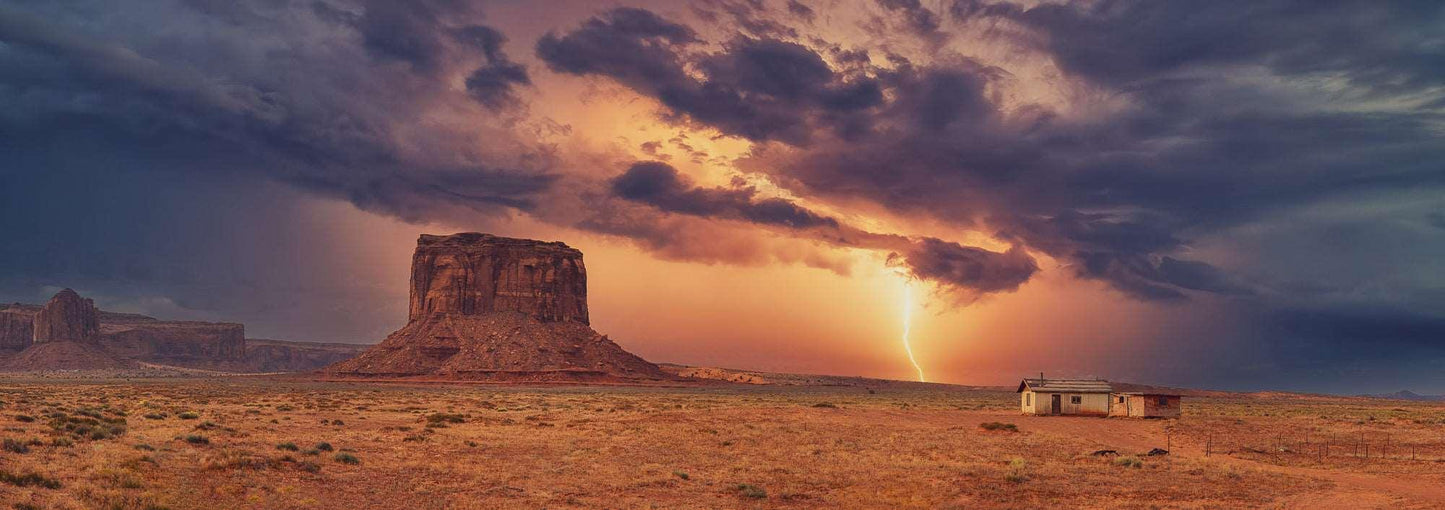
pixel 17 327
pixel 68 318
pixel 474 274
pixel 490 308
pixel 69 333
pixel 171 342
pixel 282 356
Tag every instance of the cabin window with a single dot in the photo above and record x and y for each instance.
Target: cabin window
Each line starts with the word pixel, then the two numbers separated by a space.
pixel 1164 401
pixel 1121 399
pixel 1076 399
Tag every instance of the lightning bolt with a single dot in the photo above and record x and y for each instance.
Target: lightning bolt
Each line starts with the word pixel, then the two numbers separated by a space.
pixel 907 325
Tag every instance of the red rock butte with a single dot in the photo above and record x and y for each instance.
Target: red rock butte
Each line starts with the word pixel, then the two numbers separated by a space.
pixel 474 274
pixel 488 308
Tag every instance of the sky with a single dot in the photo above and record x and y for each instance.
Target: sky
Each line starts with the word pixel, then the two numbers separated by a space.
pixel 1208 194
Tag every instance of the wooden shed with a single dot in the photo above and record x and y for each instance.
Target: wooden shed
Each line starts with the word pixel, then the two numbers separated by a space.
pixel 1144 405
pixel 1069 397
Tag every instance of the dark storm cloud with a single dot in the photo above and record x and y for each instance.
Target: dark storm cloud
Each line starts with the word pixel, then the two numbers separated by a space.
pixel 660 185
pixel 920 19
pixel 801 10
pixel 142 152
pixel 759 88
pixel 493 83
pixel 965 271
pixel 294 116
pixel 968 267
pixel 1330 336
pixel 1393 45
pixel 1117 196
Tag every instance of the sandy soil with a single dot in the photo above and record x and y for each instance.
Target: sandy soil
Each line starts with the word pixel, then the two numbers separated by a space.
pixel 256 442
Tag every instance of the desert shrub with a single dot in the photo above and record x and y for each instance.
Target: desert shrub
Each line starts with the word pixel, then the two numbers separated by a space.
pixel 324 446
pixel 748 490
pixel 825 405
pixel 1017 467
pixel 122 479
pixel 311 452
pixel 347 458
pixel 414 438
pixel 338 423
pixel 290 447
pixel 62 442
pixel 29 480
pixel 308 466
pixel 24 418
pixel 997 426
pixel 145 447
pixel 1131 461
pixel 680 474
pixel 155 416
pixel 196 439
pixel 284 407
pixel 438 418
pixel 14 446
pixel 87 426
pixel 188 415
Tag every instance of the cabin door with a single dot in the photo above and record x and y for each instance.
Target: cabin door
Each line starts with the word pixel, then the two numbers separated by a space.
pixel 1058 404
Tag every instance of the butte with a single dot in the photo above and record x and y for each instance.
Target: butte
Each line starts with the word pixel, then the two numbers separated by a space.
pixel 488 308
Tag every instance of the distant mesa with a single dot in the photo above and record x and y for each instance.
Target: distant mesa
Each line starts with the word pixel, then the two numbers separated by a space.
pixel 70 333
pixel 65 335
pixel 488 308
pixel 68 318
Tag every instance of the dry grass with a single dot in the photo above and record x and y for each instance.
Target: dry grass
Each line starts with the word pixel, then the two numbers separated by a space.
pixel 393 446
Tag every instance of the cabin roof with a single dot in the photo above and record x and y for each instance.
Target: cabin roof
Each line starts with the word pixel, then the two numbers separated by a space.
pixel 1066 385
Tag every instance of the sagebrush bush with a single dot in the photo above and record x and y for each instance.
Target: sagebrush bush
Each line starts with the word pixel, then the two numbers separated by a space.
pixel 29 480
pixel 999 426
pixel 751 491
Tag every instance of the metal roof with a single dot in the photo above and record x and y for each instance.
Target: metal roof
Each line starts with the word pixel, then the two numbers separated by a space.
pixel 1067 385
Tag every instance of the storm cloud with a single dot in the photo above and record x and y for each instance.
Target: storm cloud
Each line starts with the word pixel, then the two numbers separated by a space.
pixel 964 271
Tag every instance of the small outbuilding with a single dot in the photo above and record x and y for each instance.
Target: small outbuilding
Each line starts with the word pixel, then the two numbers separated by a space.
pixel 1093 397
pixel 1145 405
pixel 1073 397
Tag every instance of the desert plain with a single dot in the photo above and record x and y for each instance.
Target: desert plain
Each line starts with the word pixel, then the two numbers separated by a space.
pixel 301 442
